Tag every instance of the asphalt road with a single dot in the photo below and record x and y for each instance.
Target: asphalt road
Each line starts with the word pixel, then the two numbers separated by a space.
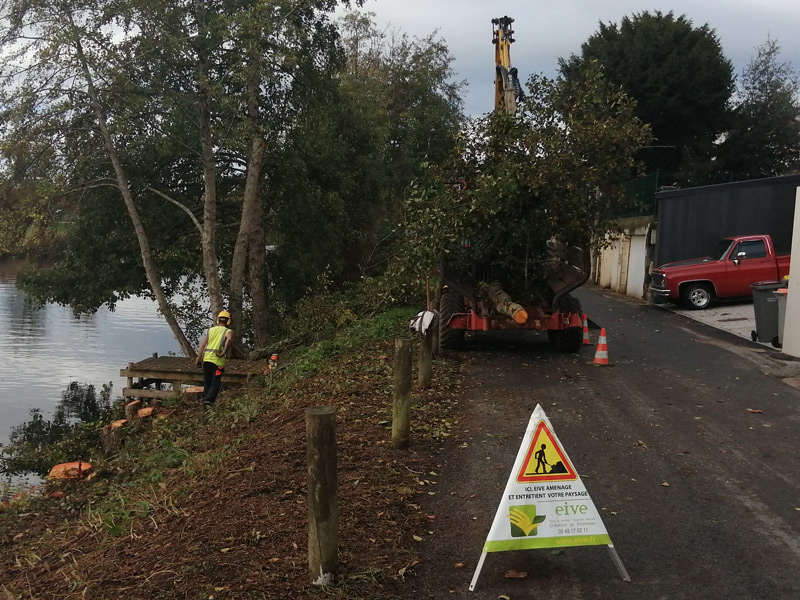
pixel 700 496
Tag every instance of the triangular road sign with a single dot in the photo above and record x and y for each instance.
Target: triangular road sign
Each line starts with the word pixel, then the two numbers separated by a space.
pixel 545 504
pixel 545 460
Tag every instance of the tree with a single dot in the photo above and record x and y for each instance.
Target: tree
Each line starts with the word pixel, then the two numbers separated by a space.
pixel 680 79
pixel 183 96
pixel 340 180
pixel 554 170
pixel 764 138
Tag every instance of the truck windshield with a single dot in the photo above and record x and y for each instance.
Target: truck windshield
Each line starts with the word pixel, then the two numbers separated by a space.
pixel 722 249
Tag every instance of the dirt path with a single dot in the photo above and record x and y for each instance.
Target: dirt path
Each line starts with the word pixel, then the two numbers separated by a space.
pixel 673 409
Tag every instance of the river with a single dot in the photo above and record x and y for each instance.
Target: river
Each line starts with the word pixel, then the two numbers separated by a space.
pixel 46 348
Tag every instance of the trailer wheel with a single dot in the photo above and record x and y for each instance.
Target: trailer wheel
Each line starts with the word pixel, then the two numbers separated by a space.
pixel 569 304
pixel 450 304
pixel 567 340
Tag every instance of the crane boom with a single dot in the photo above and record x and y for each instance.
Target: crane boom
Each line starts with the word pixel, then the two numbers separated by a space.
pixel 507 89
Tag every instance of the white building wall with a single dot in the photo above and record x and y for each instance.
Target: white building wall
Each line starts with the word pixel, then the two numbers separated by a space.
pixel 637 267
pixel 623 264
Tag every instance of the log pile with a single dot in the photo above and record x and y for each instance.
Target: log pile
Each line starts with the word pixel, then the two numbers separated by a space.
pixel 505 305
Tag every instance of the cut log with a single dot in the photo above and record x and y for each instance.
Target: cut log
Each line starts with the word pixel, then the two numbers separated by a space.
pixel 71 470
pixel 505 305
pixel 145 412
pixel 118 423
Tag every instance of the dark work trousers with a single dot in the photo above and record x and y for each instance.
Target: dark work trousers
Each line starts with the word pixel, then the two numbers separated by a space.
pixel 212 382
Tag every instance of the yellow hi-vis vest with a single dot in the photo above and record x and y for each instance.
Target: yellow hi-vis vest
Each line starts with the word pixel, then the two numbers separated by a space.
pixel 216 341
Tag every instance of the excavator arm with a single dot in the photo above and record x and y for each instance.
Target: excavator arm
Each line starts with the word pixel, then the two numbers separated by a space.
pixel 507 88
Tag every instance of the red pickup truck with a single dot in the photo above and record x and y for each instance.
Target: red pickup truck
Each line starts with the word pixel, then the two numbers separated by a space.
pixel 738 262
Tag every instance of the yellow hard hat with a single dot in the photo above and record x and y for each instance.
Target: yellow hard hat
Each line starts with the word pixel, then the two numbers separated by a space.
pixel 224 314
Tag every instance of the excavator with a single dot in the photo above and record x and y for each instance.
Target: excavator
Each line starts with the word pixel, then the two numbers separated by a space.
pixel 476 301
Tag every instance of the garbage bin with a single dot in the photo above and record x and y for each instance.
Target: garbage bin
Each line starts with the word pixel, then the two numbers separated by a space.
pixel 780 296
pixel 765 305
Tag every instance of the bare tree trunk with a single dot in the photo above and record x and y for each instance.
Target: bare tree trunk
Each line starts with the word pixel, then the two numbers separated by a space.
pixel 250 221
pixel 251 208
pixel 258 284
pixel 144 245
pixel 209 237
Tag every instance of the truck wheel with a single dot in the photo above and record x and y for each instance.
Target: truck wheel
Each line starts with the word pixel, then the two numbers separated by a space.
pixel 696 296
pixel 450 304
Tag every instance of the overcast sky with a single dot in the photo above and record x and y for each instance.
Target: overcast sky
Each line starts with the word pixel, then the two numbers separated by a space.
pixel 545 31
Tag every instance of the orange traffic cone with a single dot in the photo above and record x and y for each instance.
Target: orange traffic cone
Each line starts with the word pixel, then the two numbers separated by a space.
pixel 601 354
pixel 586 340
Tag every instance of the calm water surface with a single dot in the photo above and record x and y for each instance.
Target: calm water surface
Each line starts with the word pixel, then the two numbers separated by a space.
pixel 44 349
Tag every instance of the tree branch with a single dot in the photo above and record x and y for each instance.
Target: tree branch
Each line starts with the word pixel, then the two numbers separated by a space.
pixel 183 207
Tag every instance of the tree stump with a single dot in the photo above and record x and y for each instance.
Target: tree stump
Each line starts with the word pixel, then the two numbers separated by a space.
pixel 132 411
pixel 110 436
pixel 193 394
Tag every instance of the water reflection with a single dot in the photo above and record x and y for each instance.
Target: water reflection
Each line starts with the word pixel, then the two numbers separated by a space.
pixel 40 443
pixel 46 348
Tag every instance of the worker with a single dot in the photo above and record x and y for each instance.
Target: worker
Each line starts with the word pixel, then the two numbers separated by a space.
pixel 212 355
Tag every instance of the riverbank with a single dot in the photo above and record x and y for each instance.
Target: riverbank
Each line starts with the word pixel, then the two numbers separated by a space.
pixel 212 503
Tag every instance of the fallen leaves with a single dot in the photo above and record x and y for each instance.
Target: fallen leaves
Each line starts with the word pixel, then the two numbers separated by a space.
pixel 414 562
pixel 665 484
pixel 511 574
pixel 756 411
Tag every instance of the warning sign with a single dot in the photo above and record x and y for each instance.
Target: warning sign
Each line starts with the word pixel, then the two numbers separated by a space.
pixel 545 504
pixel 545 460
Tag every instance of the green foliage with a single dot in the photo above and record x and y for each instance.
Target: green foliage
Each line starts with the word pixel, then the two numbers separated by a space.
pixel 680 79
pixel 339 181
pixel 115 514
pixel 168 456
pixel 764 136
pixel 554 170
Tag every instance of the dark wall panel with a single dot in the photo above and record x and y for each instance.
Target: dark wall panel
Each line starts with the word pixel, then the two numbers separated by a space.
pixel 692 221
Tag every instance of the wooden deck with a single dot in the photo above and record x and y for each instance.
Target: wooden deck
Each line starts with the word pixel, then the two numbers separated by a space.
pixel 175 372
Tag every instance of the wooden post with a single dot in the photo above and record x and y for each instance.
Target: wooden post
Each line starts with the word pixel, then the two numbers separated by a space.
pixel 425 358
pixel 435 343
pixel 401 406
pixel 323 512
